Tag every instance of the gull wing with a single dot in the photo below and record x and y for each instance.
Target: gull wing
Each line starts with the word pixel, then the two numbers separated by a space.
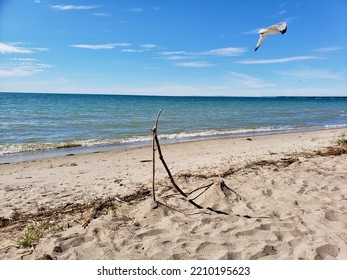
pixel 282 27
pixel 274 29
pixel 261 39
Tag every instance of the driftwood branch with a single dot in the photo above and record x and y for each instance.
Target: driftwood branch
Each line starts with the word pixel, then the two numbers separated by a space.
pixel 224 188
pixel 154 133
pixel 155 137
pixel 161 157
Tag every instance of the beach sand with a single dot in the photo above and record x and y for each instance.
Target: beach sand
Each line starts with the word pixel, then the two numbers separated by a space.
pixel 262 197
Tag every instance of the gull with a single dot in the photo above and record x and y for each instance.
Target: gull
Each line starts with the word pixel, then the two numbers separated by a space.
pixel 273 29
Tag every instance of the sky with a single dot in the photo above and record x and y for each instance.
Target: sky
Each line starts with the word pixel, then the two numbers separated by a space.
pixel 173 47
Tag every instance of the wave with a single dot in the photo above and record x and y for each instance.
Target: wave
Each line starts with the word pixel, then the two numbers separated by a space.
pixel 79 145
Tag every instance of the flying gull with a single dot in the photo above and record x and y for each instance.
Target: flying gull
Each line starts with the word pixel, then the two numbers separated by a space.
pixel 273 29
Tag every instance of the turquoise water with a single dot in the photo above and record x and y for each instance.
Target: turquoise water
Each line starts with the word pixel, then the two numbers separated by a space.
pixel 45 122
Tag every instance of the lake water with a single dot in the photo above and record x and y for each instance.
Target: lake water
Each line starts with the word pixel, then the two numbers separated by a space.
pixel 45 123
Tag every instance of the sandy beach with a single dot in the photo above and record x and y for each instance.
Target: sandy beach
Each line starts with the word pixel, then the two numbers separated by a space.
pixel 280 196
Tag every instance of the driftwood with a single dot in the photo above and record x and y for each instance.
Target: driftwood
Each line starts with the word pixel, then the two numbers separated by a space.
pixel 154 132
pixel 224 188
pixel 157 144
pixel 161 157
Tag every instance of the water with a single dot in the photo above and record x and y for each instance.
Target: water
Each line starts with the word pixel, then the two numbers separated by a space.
pixel 38 124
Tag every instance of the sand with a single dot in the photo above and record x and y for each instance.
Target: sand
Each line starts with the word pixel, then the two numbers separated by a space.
pixel 262 197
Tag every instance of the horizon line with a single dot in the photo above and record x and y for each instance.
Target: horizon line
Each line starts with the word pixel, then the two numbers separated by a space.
pixel 152 95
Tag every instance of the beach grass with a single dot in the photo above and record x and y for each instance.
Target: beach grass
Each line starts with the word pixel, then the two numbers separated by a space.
pixel 342 140
pixel 33 233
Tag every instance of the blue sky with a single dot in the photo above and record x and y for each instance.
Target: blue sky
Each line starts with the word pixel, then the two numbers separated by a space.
pixel 173 47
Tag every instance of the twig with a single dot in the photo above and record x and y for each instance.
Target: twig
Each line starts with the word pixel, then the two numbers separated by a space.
pixel 205 189
pixel 154 132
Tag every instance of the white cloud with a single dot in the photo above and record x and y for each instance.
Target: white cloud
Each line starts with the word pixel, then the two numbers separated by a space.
pixel 22 70
pixel 144 47
pixel 132 51
pixel 176 57
pixel 100 46
pixel 225 52
pixel 279 14
pixel 194 64
pixel 313 74
pixel 23 59
pixel 168 53
pixel 248 81
pixel 290 19
pixel 254 31
pixel 20 66
pixel 72 7
pixel 148 46
pixel 329 49
pixel 10 48
pixel 40 49
pixel 135 10
pixel 101 14
pixel 180 55
pixel 277 60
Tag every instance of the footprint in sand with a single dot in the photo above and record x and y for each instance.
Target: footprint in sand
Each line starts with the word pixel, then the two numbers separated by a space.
pixel 301 191
pixel 71 241
pixel 231 256
pixel 331 215
pixel 327 250
pixel 246 233
pixel 265 226
pixel 204 247
pixel 267 193
pixel 153 232
pixel 268 250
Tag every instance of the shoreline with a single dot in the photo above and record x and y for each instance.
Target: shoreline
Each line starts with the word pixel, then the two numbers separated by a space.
pixel 75 149
pixel 287 202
